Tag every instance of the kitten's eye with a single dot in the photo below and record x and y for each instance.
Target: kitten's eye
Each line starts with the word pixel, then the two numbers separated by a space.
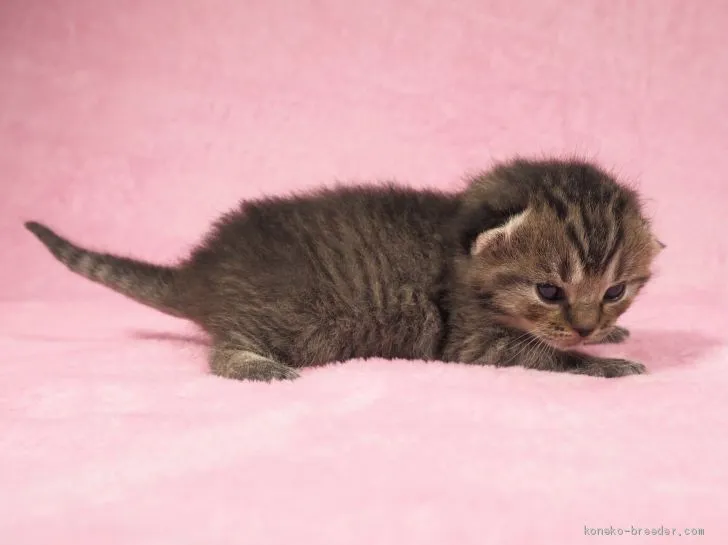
pixel 550 293
pixel 615 292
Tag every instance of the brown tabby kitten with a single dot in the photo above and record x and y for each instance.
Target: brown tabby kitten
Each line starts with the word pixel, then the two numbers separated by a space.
pixel 532 260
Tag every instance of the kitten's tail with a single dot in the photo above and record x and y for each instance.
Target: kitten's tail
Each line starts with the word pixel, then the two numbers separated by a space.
pixel 152 285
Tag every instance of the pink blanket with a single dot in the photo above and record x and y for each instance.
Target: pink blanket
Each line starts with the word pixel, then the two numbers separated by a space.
pixel 129 125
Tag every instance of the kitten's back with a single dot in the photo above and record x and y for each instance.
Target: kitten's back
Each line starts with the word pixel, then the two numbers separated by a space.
pixel 342 265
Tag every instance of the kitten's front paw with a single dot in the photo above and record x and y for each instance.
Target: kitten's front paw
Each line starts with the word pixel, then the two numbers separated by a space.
pixel 615 336
pixel 610 368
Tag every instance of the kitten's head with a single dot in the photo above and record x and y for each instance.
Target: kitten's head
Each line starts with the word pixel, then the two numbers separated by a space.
pixel 558 249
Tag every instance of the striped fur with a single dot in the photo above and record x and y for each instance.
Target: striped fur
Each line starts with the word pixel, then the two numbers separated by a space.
pixel 152 285
pixel 581 231
pixel 387 271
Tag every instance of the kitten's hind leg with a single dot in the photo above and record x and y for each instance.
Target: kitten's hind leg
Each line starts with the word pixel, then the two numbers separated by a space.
pixel 232 360
pixel 615 336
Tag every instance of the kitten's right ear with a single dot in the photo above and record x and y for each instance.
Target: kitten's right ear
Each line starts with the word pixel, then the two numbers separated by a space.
pixel 492 207
pixel 479 227
pixel 486 239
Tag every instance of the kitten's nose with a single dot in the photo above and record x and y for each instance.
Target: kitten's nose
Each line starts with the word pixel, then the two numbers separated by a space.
pixel 584 331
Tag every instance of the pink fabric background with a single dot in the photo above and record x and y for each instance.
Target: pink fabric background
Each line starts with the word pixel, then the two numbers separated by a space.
pixel 128 125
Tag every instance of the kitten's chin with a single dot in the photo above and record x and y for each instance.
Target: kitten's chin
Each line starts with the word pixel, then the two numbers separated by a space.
pixel 572 344
pixel 562 343
pixel 556 342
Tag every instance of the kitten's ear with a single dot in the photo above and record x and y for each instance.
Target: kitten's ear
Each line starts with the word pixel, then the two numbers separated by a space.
pixel 491 207
pixel 504 232
pixel 657 246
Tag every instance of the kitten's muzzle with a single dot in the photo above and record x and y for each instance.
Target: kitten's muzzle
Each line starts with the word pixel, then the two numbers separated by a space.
pixel 584 332
pixel 583 318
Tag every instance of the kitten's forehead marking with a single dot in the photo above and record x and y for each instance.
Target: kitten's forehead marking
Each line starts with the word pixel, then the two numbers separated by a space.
pixel 577 269
pixel 590 210
pixel 581 256
pixel 612 272
pixel 595 237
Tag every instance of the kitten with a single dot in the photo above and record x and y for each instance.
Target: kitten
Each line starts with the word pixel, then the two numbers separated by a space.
pixel 532 260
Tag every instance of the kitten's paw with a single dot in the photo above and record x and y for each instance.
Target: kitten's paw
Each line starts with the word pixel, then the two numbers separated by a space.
pixel 610 368
pixel 615 336
pixel 272 370
pixel 244 365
